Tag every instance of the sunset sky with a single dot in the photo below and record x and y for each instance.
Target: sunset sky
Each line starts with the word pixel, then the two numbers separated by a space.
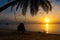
pixel 8 16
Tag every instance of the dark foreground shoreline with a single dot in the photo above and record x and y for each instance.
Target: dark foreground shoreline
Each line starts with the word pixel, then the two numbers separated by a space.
pixel 14 35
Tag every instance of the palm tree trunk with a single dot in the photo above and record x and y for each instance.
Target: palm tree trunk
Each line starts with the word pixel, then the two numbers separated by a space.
pixel 7 5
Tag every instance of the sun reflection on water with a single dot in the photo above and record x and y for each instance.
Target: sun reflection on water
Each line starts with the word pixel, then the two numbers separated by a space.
pixel 46 28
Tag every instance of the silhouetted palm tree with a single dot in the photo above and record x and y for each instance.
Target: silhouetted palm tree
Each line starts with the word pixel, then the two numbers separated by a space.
pixel 33 4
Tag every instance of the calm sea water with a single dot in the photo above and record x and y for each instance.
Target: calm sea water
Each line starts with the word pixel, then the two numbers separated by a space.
pixel 50 28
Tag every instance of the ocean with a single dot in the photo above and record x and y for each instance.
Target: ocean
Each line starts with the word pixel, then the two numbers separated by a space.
pixel 47 28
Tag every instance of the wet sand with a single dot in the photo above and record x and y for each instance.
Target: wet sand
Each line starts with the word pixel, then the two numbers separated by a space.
pixel 14 35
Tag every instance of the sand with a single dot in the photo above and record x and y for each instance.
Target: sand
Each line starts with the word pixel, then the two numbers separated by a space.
pixel 14 35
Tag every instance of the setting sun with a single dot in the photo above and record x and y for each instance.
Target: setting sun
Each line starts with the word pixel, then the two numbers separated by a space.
pixel 46 19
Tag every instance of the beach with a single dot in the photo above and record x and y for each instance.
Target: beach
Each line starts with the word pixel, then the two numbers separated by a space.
pixel 14 35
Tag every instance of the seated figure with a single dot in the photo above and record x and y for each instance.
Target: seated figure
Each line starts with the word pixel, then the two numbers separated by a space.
pixel 21 28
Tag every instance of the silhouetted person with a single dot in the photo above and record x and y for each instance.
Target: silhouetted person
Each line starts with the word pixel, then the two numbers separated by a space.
pixel 21 28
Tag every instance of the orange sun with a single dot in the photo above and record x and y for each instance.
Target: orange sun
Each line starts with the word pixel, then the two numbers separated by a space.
pixel 46 19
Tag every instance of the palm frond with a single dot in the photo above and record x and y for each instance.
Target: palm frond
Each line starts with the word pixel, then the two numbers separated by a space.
pixel 34 5
pixel 18 4
pixel 6 6
pixel 24 7
pixel 13 5
pixel 45 4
